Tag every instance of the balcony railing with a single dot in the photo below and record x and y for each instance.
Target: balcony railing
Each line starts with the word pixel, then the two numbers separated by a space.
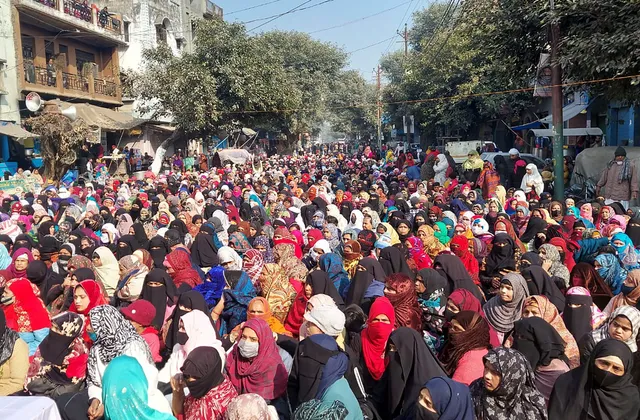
pixel 75 82
pixel 39 75
pixel 110 23
pixel 51 3
pixel 78 9
pixel 105 87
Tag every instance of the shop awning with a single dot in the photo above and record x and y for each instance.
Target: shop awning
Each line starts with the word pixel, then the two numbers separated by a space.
pixel 528 126
pixel 104 118
pixel 569 132
pixel 568 112
pixel 13 130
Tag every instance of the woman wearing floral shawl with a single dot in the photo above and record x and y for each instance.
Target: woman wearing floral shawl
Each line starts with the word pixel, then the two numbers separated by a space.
pixel 239 242
pixel 252 264
pixel 277 289
pixel 332 265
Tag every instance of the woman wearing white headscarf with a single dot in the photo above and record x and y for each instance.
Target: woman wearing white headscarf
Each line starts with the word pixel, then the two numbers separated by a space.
pixel 230 259
pixel 532 183
pixel 440 168
pixel 332 210
pixel 356 219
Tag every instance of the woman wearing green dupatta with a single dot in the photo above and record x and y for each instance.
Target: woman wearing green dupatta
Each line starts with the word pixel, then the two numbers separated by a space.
pixel 125 392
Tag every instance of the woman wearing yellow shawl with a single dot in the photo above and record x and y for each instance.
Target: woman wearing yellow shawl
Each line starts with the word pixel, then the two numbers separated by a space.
pixel 432 245
pixel 389 230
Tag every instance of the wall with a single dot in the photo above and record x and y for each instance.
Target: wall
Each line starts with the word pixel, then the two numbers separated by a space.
pixel 9 107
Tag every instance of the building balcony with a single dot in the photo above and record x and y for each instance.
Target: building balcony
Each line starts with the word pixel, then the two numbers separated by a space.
pixel 212 10
pixel 98 27
pixel 49 80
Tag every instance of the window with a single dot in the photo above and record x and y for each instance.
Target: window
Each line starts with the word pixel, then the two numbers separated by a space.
pixel 162 29
pixel 3 67
pixel 82 58
pixel 63 49
pixel 28 53
pixel 126 31
pixel 180 44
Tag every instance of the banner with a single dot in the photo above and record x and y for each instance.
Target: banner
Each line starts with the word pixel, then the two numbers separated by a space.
pixel 10 186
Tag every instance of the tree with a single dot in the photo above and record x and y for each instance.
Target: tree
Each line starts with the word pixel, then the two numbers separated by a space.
pixel 59 140
pixel 352 105
pixel 277 81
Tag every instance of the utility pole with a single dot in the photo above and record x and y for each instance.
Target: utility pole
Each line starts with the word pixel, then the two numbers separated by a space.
pixel 556 109
pixel 405 37
pixel 378 72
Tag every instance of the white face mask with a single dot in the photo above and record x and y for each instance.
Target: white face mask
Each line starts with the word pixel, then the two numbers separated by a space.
pixel 248 349
pixel 619 162
pixel 314 255
pixel 104 238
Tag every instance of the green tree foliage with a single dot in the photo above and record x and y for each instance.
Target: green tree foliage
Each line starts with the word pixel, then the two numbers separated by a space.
pixel 276 80
pixel 352 105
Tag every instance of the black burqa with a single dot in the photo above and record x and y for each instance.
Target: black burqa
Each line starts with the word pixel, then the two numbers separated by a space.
pixel 393 262
pixel 322 285
pixel 363 279
pixel 578 319
pixel 41 276
pixel 535 225
pixel 633 230
pixel 410 366
pixel 538 341
pixel 141 235
pixel 541 283
pixel 588 392
pixel 502 256
pixel 126 245
pixel 192 300
pixel 159 296
pixel 158 248
pixel 452 268
pixel 204 252
pixel 433 281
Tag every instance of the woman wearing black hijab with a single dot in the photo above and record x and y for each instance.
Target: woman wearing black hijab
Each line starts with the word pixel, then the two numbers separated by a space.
pixel 140 234
pixel 126 245
pixel 411 365
pixel 136 206
pixel 158 288
pixel 41 276
pixel 543 347
pixel 23 241
pixel 501 259
pixel 107 217
pixel 320 283
pixel 540 283
pixel 452 268
pixel 535 225
pixel 181 227
pixel 204 252
pixel 577 314
pixel 600 389
pixel 158 248
pixel 45 229
pixel 187 302
pixel 392 262
pixel 528 259
pixel 633 231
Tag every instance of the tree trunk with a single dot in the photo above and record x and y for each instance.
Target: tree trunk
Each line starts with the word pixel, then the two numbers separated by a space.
pixel 162 151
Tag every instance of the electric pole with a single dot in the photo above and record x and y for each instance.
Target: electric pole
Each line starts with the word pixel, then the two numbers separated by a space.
pixel 378 72
pixel 405 37
pixel 556 109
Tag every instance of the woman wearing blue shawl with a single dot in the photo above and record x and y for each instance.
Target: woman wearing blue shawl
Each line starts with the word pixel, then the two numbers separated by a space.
pixel 236 299
pixel 445 399
pixel 608 266
pixel 5 258
pixel 212 287
pixel 626 251
pixel 332 265
pixel 125 392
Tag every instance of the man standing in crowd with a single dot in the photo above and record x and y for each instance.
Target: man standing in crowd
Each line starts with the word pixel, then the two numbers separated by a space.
pixel 619 179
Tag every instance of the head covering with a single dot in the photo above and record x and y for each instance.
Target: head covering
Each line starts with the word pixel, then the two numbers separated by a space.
pixel 502 256
pixel 392 261
pixel 538 341
pixel 248 406
pixel 183 272
pixel 476 335
pixel 125 392
pixel 589 392
pixel 451 267
pixel 628 312
pixel 109 271
pixel 159 296
pixel 410 366
pixel 451 399
pixel 27 313
pixel 264 374
pixel 320 284
pixel 540 283
pixel 374 337
pixel 404 301
pixel 516 396
pixel 501 315
pixel 611 272
pixel 204 364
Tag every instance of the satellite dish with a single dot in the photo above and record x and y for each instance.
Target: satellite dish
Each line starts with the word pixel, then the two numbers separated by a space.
pixel 33 102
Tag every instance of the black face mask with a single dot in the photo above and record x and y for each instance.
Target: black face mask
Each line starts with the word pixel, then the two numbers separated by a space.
pixel 424 414
pixel 448 314
pixel 182 338
pixel 556 213
pixel 562 255
pixel 603 378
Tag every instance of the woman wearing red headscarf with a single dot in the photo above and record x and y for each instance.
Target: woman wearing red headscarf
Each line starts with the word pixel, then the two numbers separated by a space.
pixel 179 267
pixel 401 292
pixel 460 246
pixel 25 312
pixel 18 267
pixel 313 236
pixel 380 324
pixel 565 249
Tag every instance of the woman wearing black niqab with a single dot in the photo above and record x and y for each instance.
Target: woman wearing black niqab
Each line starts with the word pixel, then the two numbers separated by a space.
pixel 535 225
pixel 190 300
pixel 321 284
pixel 204 252
pixel 590 392
pixel 541 283
pixel 158 288
pixel 411 365
pixel 577 315
pixel 126 245
pixel 42 277
pixel 158 248
pixel 141 235
pixel 452 268
pixel 633 231
pixel 393 261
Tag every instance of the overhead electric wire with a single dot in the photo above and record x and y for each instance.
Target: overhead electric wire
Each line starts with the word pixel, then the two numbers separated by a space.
pixel 252 7
pixel 359 20
pixel 293 10
pixel 371 45
pixel 399 26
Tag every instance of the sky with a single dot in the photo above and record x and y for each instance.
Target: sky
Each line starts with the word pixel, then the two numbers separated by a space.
pixel 350 37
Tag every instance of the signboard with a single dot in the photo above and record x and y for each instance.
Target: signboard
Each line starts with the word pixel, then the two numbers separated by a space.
pixel 11 185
